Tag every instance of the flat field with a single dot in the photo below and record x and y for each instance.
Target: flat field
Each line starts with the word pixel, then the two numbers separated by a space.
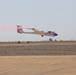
pixel 37 65
pixel 38 58
pixel 38 48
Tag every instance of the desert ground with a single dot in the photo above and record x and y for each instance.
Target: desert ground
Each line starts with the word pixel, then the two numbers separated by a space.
pixel 37 65
pixel 38 58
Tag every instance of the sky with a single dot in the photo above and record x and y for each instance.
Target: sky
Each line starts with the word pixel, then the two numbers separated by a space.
pixel 45 15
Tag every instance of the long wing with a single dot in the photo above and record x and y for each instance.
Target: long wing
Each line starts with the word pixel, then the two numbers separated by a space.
pixel 37 31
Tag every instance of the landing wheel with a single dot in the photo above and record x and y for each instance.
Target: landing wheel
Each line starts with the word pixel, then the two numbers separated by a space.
pixel 42 36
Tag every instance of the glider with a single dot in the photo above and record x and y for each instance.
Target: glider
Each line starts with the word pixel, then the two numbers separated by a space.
pixel 35 31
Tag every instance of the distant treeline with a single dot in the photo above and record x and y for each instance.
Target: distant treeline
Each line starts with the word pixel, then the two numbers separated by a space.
pixel 15 42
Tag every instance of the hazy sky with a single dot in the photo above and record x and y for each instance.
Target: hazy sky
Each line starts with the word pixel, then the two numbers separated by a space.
pixel 53 15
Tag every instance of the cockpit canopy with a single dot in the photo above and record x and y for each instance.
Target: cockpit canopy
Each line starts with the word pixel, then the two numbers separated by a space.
pixel 49 31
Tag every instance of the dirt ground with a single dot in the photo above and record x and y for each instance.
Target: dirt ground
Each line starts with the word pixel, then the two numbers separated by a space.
pixel 38 48
pixel 38 58
pixel 37 65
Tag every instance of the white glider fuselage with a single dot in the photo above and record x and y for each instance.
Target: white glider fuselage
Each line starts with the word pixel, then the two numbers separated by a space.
pixel 42 33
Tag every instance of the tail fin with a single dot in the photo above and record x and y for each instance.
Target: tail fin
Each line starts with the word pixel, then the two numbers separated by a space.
pixel 19 29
